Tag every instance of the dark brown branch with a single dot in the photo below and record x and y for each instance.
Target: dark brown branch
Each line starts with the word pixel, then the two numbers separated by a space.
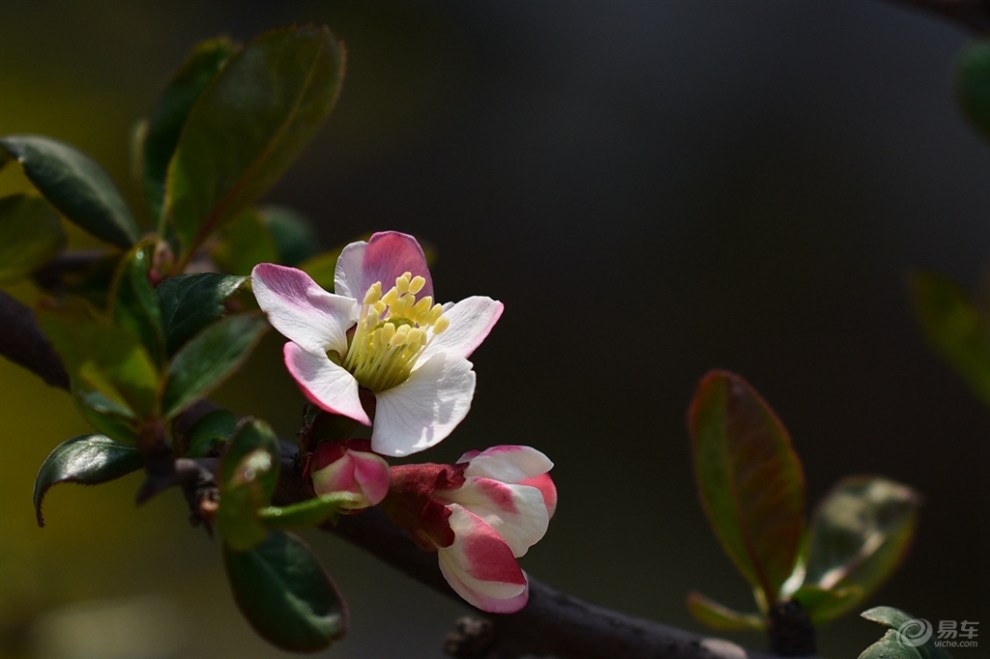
pixel 552 624
pixel 974 15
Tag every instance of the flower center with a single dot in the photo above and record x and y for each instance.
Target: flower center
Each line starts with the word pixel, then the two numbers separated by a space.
pixel 391 333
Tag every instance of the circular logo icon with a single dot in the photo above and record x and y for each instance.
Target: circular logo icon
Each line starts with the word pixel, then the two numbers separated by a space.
pixel 915 632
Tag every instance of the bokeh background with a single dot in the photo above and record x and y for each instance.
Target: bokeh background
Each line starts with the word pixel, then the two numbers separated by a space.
pixel 654 189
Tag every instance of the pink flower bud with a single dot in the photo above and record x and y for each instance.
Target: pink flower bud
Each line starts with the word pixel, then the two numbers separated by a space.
pixel 349 466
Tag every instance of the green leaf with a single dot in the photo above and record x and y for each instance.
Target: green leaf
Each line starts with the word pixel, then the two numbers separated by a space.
pixel 87 459
pixel 248 476
pixel 955 327
pixel 111 419
pixel 101 357
pixel 134 305
pixel 201 68
pixel 209 358
pixel 717 616
pixel 823 605
pixel 249 125
pixel 30 236
pixel 76 185
pixel 211 432
pixel 859 535
pixel 312 512
pixel 190 303
pixel 294 234
pixel 285 594
pixel 973 84
pixel 245 242
pixel 749 479
pixel 322 267
pixel 908 637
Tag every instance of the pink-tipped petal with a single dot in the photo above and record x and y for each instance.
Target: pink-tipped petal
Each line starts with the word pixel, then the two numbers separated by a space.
pixel 516 512
pixel 302 311
pixel 372 473
pixel 509 463
pixel 424 409
pixel 545 485
pixel 470 320
pixel 325 384
pixel 480 567
pixel 385 256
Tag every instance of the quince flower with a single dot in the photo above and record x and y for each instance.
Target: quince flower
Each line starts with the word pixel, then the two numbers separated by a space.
pixel 350 466
pixel 479 515
pixel 380 334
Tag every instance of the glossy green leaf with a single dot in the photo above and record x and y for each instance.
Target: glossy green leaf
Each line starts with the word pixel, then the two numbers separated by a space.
pixel 312 512
pixel 749 479
pixel 859 535
pixel 30 236
pixel 907 637
pixel 285 594
pixel 76 185
pixel 249 125
pixel 718 616
pixel 104 358
pixel 134 304
pixel 210 433
pixel 109 418
pixel 209 358
pixel 973 84
pixel 248 476
pixel 956 327
pixel 189 303
pixel 87 459
pixel 161 135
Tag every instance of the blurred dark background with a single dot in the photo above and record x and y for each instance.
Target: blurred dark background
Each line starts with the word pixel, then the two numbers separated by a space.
pixel 654 190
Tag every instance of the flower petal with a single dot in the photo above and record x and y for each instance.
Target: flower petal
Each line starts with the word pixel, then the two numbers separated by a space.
pixel 480 567
pixel 546 486
pixel 509 463
pixel 470 320
pixel 325 384
pixel 515 512
pixel 371 473
pixel 385 256
pixel 424 409
pixel 359 472
pixel 302 311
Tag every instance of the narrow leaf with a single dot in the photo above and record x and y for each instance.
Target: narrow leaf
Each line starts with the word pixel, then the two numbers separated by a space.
pixel 312 512
pixel 30 236
pixel 285 594
pixel 249 125
pixel 101 357
pixel 955 327
pixel 244 242
pixel 718 616
pixel 248 476
pixel 87 459
pixel 161 135
pixel 209 358
pixel 907 637
pixel 210 433
pixel 134 305
pixel 859 535
pixel 749 479
pixel 189 303
pixel 76 185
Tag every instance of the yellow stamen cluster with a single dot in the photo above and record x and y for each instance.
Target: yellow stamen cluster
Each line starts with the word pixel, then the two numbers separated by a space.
pixel 392 331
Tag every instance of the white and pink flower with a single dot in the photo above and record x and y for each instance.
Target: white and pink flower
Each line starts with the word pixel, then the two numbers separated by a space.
pixel 350 466
pixel 380 333
pixel 480 515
